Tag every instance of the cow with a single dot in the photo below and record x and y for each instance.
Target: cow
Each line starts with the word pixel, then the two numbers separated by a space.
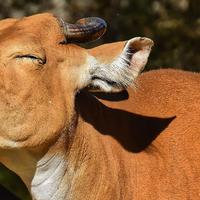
pixel 78 124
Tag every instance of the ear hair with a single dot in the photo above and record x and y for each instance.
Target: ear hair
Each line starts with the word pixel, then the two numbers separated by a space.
pixel 124 68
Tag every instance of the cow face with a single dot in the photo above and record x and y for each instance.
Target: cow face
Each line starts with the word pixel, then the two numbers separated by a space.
pixel 41 72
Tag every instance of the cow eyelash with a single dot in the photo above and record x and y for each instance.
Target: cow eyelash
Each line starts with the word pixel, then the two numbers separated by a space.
pixel 32 57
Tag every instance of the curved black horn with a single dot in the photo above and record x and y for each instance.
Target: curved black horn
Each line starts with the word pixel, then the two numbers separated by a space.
pixel 85 30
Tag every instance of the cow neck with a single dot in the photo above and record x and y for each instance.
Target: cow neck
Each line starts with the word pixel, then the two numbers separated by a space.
pixel 79 160
pixel 69 169
pixel 103 154
pixel 50 170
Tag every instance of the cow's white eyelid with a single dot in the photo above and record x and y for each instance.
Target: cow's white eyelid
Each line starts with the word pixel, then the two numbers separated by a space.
pixel 32 58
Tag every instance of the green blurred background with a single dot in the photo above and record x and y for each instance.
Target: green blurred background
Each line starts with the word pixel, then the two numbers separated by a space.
pixel 174 25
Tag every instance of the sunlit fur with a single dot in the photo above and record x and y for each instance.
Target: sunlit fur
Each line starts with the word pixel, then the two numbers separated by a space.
pixel 66 144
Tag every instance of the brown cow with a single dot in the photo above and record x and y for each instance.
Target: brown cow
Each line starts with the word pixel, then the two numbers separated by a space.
pixel 66 144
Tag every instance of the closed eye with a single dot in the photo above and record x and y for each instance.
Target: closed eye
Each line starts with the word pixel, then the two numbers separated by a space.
pixel 32 57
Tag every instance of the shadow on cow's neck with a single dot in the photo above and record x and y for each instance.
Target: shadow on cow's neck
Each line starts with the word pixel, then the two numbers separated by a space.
pixel 119 96
pixel 134 132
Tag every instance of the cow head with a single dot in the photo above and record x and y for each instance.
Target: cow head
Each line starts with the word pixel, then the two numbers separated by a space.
pixel 41 70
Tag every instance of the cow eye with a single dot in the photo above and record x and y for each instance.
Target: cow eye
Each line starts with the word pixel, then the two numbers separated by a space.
pixel 32 58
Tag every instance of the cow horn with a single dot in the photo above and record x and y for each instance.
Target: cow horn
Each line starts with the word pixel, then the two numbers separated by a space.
pixel 84 30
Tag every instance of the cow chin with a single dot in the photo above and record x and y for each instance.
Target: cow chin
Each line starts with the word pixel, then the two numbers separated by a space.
pixel 33 129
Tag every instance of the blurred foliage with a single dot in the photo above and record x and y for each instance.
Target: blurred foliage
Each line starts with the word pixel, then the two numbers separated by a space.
pixel 13 183
pixel 174 25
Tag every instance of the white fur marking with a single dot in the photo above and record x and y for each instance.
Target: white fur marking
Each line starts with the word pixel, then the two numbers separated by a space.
pixel 48 177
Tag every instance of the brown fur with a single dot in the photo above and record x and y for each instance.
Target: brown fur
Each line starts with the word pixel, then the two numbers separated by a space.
pixel 143 144
pixel 168 168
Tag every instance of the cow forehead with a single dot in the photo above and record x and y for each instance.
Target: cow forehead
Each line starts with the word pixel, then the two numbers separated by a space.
pixel 45 27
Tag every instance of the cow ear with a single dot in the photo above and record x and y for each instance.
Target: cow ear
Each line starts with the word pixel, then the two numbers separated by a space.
pixel 118 64
pixel 138 49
